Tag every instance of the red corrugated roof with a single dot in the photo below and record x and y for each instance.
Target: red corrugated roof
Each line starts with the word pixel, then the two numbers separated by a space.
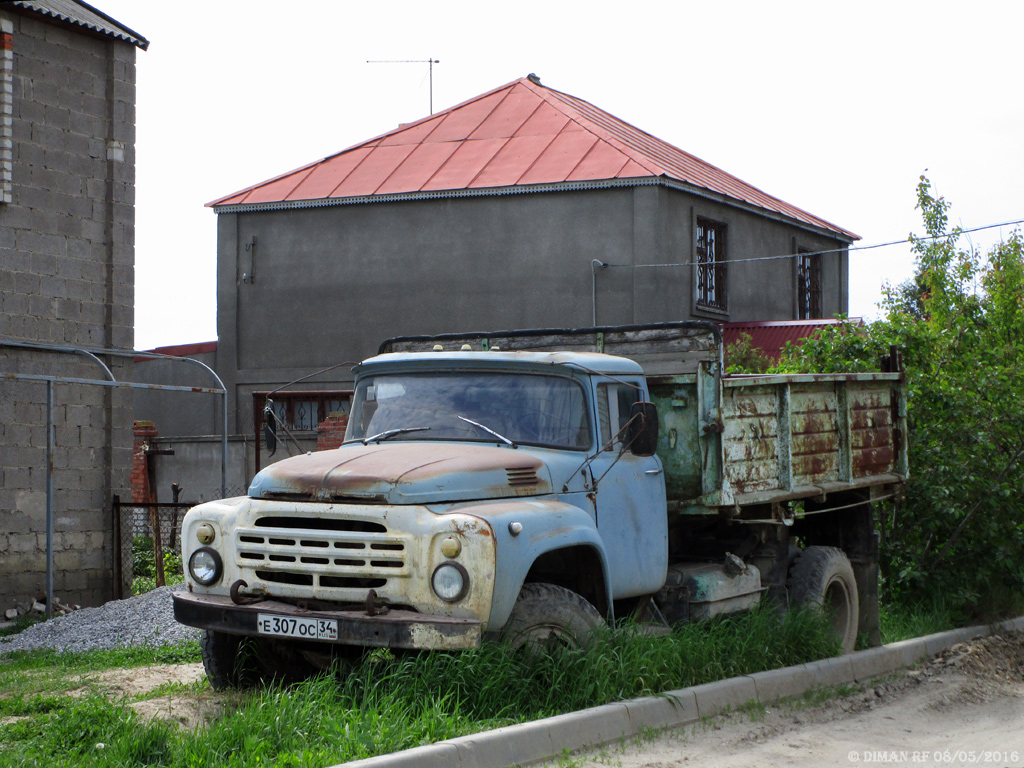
pixel 771 336
pixel 519 134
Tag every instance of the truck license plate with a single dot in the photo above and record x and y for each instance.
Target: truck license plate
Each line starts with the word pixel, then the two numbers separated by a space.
pixel 309 629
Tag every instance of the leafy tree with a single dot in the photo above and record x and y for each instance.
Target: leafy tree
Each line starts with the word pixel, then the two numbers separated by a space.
pixel 743 357
pixel 960 326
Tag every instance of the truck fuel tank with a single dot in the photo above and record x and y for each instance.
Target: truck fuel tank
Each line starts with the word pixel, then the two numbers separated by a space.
pixel 695 591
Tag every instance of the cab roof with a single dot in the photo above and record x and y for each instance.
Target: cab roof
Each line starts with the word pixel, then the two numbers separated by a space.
pixel 587 362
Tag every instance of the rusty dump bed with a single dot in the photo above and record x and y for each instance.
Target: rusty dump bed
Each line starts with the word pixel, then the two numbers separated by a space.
pixel 742 440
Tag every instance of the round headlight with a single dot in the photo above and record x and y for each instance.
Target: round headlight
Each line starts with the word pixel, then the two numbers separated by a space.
pixel 450 582
pixel 205 566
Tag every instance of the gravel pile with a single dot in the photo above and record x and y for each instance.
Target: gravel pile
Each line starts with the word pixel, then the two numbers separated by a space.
pixel 140 620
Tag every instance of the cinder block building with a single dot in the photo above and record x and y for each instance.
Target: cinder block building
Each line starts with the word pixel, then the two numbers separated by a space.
pixel 67 194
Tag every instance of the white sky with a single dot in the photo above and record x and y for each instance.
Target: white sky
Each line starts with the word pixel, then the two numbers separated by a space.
pixel 835 108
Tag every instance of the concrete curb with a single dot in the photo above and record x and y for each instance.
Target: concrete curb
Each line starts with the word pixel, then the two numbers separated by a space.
pixel 547 739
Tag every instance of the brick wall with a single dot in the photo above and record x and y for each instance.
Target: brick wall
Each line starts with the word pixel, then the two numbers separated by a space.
pixel 145 432
pixel 66 277
pixel 331 431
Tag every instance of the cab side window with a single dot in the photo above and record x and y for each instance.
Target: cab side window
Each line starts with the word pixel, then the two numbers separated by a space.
pixel 614 401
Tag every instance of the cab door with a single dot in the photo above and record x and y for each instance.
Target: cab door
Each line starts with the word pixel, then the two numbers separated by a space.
pixel 630 495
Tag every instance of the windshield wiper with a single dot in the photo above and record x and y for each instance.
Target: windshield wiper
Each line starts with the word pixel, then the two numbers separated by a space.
pixel 391 433
pixel 503 439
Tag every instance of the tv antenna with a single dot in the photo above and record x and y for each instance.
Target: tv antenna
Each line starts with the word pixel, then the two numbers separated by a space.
pixel 429 62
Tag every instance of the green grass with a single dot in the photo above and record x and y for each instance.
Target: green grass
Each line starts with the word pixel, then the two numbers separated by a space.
pixel 388 701
pixel 391 701
pixel 901 621
pixel 45 671
pixel 71 663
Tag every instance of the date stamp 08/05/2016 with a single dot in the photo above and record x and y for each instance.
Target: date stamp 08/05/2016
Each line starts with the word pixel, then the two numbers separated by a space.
pixel 935 757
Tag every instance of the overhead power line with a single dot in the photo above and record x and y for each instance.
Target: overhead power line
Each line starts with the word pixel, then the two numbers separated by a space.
pixel 815 253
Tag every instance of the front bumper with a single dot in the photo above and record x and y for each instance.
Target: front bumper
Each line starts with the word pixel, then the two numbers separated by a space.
pixel 395 629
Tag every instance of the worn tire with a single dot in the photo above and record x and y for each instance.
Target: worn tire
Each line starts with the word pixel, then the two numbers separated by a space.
pixel 823 577
pixel 236 661
pixel 220 658
pixel 546 617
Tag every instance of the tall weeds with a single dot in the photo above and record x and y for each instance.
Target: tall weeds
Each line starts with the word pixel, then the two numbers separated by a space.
pixel 388 701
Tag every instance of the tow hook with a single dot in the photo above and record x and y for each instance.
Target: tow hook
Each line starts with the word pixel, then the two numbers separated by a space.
pixel 374 606
pixel 239 599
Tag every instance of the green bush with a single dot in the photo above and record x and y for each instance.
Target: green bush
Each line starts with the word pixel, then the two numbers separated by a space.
pixel 960 326
pixel 742 357
pixel 144 569
pixel 142 556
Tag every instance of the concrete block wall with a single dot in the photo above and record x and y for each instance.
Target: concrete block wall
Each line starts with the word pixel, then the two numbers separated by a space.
pixel 66 278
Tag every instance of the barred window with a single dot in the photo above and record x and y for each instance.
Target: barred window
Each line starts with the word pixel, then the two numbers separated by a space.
pixel 808 285
pixel 710 264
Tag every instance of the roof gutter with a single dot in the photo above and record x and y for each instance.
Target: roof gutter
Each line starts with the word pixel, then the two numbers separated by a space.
pixel 564 186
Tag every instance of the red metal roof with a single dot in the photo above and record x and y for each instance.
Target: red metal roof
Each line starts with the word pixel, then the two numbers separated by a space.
pixel 771 336
pixel 517 135
pixel 180 350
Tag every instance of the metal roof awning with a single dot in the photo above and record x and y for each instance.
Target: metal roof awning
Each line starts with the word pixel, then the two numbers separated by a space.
pixel 81 14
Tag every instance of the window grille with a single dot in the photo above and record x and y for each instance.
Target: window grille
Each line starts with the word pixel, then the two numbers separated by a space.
pixel 710 264
pixel 301 412
pixel 808 285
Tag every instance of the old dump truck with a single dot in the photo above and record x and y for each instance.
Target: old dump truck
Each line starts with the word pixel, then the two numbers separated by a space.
pixel 530 486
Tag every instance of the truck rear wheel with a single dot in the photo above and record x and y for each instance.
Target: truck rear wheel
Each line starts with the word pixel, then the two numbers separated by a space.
pixel 823 576
pixel 546 617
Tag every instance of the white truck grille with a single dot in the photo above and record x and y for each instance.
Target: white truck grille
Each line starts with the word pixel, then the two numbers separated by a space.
pixel 324 553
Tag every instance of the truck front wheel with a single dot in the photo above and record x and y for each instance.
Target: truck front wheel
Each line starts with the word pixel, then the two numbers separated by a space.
pixel 220 658
pixel 547 616
pixel 823 576
pixel 234 661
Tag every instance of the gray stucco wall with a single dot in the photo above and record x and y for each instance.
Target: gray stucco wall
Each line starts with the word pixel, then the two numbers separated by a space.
pixel 67 278
pixel 326 285
pixel 179 413
pixel 195 467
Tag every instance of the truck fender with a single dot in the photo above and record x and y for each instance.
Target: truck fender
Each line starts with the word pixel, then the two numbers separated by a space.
pixel 544 526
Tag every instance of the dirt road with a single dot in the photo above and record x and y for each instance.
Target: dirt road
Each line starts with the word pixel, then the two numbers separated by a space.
pixel 966 707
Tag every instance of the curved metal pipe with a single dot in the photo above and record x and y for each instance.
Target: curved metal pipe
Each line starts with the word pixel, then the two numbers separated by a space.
pixel 92 354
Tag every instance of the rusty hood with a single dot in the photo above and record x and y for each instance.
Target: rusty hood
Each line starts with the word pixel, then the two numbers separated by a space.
pixel 404 473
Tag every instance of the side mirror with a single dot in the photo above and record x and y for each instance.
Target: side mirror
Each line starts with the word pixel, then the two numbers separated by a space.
pixel 643 429
pixel 269 430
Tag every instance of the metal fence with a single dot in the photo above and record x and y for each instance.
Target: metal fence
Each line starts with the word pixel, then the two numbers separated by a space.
pixel 147 545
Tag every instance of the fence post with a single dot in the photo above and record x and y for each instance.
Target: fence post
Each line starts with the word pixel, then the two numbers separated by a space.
pixel 118 549
pixel 158 547
pixel 176 498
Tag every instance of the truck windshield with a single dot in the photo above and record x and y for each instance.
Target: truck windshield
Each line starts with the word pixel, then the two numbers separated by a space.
pixel 532 409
